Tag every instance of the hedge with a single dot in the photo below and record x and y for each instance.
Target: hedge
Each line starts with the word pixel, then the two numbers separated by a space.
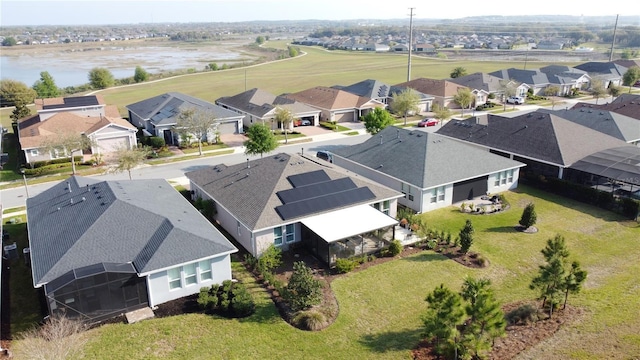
pixel 65 160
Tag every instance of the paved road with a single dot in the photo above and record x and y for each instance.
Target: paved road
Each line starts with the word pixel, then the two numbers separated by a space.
pixel 15 197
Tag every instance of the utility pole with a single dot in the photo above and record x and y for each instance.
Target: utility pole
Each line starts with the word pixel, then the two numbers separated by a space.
pixel 410 42
pixel 614 38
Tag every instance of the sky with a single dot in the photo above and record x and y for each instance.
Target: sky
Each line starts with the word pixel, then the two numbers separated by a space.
pixel 99 12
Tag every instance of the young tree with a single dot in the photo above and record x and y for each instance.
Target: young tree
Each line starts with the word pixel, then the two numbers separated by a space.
pixel 67 144
pixel 508 89
pixel 464 98
pixel 597 89
pixel 376 120
pixel 260 40
pixel 442 318
pixel 466 237
pixel 631 77
pixel 196 122
pixel 9 41
pixel 140 75
pixel 458 72
pixel 303 290
pixel 404 102
pixel 284 117
pixel 46 86
pixel 614 91
pixel 440 112
pixel 261 140
pixel 293 52
pixel 573 281
pixel 100 78
pixel 128 159
pixel 551 278
pixel 529 216
pixel 486 319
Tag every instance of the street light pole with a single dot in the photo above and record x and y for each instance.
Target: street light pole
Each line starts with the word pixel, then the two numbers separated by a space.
pixel 24 178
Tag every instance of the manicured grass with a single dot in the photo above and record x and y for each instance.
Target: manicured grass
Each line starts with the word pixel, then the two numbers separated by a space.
pixel 13 210
pixel 380 307
pixel 194 150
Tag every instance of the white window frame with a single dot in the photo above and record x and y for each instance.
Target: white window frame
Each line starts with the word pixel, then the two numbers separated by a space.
pixel 434 196
pixel 34 152
pixel 386 206
pixel 289 233
pixel 510 176
pixel 441 193
pixel 204 268
pixel 174 279
pixel 190 274
pixel 278 239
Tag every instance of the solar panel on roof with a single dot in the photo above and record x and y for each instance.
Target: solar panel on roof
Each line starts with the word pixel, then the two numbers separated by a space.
pixel 308 178
pixel 315 190
pixel 323 203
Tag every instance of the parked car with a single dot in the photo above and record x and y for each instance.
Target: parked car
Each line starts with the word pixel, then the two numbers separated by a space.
pixel 518 100
pixel 428 122
pixel 305 123
pixel 324 155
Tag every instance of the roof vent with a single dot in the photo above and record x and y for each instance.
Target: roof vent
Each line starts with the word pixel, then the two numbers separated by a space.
pixel 71 201
pixel 84 198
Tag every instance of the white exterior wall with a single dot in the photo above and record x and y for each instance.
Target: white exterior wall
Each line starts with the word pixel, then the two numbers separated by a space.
pixel 158 283
pixel 92 111
pixel 111 132
pixel 427 205
pixel 491 188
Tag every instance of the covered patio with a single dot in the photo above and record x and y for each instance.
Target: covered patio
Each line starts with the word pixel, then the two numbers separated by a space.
pixel 344 233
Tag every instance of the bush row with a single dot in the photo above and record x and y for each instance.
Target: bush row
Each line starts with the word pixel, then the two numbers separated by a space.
pixel 229 299
pixel 65 160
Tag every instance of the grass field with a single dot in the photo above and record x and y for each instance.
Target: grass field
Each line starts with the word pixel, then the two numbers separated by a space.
pixel 380 307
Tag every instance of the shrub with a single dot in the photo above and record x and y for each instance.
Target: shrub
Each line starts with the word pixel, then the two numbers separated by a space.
pixel 345 265
pixel 229 299
pixel 395 248
pixel 270 259
pixel 155 142
pixel 310 320
pixel 529 216
pixel 524 314
pixel 448 238
pixel 503 200
pixel 251 261
pixel 303 289
pixel 431 244
pixel 242 303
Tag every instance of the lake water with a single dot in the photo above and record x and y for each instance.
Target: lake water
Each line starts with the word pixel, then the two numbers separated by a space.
pixel 71 67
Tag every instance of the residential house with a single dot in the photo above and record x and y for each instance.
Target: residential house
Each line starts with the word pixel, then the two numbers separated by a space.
pixel 432 171
pixel 546 142
pixel 611 123
pixel 260 106
pixel 566 79
pixel 482 85
pixel 400 48
pixel 609 73
pixel 625 104
pixel 383 93
pixel 158 116
pixel 442 91
pixel 102 248
pixel 336 105
pixel 84 115
pixel 424 49
pixel 291 200
pixel 377 47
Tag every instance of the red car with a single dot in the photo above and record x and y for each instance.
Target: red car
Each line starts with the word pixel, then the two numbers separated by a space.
pixel 428 122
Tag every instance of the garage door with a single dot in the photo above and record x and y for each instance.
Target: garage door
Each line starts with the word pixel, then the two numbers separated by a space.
pixel 344 117
pixel 113 144
pixel 467 190
pixel 228 128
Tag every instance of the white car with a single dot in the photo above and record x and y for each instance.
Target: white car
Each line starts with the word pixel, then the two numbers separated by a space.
pixel 518 100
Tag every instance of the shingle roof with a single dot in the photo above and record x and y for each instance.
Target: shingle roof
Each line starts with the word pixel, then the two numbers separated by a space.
pixel 619 126
pixel 435 87
pixel 33 132
pixel 144 222
pixel 480 81
pixel 537 135
pixel 323 97
pixel 531 77
pixel 607 68
pixel 249 193
pixel 625 104
pixel 372 89
pixel 164 109
pixel 68 102
pixel 259 103
pixel 424 159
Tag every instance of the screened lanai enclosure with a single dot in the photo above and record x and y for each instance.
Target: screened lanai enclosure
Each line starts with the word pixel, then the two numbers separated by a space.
pixel 97 292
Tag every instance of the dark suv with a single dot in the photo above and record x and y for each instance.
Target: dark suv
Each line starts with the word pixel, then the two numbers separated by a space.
pixel 324 155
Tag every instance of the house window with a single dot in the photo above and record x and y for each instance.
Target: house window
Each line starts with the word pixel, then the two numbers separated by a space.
pixel 434 196
pixel 190 274
pixel 205 270
pixel 510 176
pixel 33 152
pixel 385 206
pixel 277 236
pixel 497 182
pixel 290 233
pixel 503 178
pixel 437 194
pixel 410 197
pixel 175 282
pixel 441 193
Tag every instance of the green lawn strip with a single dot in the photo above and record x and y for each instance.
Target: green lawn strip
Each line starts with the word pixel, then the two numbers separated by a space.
pixel 188 157
pixel 13 210
pixel 24 304
pixel 194 150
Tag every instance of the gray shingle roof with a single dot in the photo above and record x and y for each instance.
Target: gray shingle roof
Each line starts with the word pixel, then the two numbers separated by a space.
pixel 424 159
pixel 480 81
pixel 249 193
pixel 619 126
pixel 144 222
pixel 369 88
pixel 537 135
pixel 607 68
pixel 164 109
pixel 259 103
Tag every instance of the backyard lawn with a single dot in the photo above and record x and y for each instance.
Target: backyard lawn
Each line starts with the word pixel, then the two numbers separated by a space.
pixel 380 307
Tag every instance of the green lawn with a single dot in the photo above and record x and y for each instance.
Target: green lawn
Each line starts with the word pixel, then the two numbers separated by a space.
pixel 380 307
